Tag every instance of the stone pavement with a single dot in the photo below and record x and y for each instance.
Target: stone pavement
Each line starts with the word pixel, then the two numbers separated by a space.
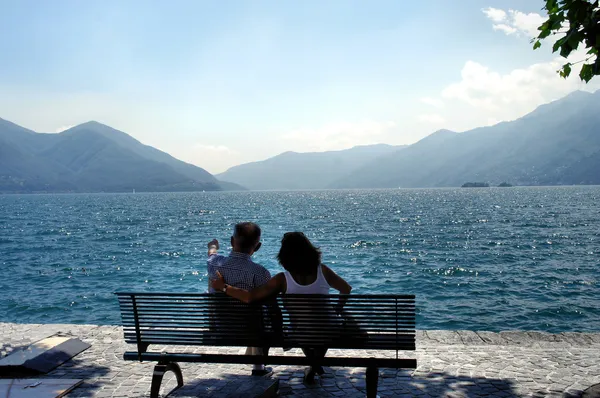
pixel 451 364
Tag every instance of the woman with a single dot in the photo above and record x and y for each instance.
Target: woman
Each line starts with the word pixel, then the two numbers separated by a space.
pixel 304 275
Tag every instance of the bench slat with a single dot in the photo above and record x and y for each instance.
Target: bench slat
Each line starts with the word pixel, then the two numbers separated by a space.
pixel 311 296
pixel 270 339
pixel 205 319
pixel 251 343
pixel 402 363
pixel 198 320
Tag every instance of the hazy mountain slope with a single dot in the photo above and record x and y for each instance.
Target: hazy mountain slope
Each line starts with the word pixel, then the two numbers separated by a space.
pixel 546 147
pixel 20 166
pixel 293 170
pixel 22 171
pixel 145 151
pixel 382 172
pixel 98 163
pixel 84 159
pixel 584 171
pixel 24 139
pixel 231 186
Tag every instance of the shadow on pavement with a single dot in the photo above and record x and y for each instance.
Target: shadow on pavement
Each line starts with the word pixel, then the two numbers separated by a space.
pixel 223 385
pixel 7 349
pixel 349 381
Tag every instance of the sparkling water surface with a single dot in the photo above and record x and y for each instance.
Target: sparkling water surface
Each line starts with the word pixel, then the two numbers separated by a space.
pixel 479 259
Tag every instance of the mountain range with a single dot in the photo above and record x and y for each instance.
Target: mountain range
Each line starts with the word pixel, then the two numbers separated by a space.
pixel 312 170
pixel 92 157
pixel 556 144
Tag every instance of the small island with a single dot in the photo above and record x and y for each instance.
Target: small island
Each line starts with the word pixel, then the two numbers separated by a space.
pixel 505 185
pixel 475 185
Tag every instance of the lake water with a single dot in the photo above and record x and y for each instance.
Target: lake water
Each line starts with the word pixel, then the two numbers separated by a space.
pixel 478 259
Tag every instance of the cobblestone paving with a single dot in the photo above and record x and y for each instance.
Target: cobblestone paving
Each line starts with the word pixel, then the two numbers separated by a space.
pixel 451 364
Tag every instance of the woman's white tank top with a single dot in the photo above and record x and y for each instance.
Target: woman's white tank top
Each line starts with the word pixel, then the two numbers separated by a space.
pixel 319 286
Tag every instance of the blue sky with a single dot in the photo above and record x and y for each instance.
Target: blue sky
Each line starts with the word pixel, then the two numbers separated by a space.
pixel 218 83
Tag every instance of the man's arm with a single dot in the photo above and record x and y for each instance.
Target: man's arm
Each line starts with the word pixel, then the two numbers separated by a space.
pixel 213 247
pixel 268 290
pixel 271 304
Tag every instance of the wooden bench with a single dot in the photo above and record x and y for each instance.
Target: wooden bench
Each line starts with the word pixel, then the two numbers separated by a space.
pixel 367 322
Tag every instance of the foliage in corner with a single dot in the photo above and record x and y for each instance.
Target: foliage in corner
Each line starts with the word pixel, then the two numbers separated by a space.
pixel 577 22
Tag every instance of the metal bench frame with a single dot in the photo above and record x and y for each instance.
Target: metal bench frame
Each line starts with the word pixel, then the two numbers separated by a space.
pixel 150 318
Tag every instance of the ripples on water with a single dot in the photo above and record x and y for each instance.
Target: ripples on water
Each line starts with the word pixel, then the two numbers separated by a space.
pixel 479 259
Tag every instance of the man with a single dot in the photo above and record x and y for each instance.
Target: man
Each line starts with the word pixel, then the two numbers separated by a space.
pixel 239 270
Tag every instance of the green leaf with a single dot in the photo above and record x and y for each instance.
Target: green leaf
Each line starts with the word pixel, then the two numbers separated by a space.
pixel 566 71
pixel 596 67
pixel 586 73
pixel 545 33
pixel 544 30
pixel 574 40
pixel 566 50
pixel 582 20
pixel 558 44
pixel 551 4
pixel 556 23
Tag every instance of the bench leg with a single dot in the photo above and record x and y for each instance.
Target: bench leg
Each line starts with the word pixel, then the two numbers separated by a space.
pixel 159 372
pixel 372 379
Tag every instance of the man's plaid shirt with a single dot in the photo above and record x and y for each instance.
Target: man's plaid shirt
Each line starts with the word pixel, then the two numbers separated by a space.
pixel 238 269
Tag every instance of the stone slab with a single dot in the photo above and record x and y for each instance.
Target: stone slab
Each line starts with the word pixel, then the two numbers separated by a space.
pixel 41 357
pixel 517 337
pixel 491 338
pixel 37 388
pixel 444 336
pixel 469 337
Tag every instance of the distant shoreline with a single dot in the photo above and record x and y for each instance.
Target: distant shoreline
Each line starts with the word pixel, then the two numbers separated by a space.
pixel 288 190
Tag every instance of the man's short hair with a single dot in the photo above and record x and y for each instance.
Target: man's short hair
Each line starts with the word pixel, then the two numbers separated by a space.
pixel 247 235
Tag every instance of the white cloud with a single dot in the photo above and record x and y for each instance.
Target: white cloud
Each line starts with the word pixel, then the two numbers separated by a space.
pixel 432 118
pixel 509 30
pixel 339 135
pixel 483 96
pixel 495 14
pixel 515 22
pixel 527 23
pixel 492 121
pixel 438 103
pixel 501 97
pixel 63 128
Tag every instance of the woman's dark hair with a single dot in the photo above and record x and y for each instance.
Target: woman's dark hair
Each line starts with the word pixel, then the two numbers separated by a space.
pixel 297 255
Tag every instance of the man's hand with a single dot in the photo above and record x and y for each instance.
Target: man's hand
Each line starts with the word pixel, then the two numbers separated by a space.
pixel 219 283
pixel 213 247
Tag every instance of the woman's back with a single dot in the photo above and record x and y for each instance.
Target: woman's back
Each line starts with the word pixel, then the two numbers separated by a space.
pixel 322 311
pixel 301 284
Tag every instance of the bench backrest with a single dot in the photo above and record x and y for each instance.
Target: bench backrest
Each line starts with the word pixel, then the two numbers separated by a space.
pixel 385 322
